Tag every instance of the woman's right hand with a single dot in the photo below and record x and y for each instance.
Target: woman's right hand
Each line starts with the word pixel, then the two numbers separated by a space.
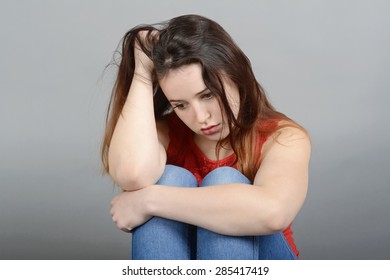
pixel 143 64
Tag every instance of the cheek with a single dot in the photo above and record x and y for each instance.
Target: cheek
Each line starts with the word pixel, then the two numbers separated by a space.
pixel 186 118
pixel 220 111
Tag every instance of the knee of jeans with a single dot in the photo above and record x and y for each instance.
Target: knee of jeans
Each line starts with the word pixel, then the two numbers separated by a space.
pixel 177 176
pixel 224 175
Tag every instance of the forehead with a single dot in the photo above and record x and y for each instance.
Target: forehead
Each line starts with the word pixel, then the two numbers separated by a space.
pixel 183 81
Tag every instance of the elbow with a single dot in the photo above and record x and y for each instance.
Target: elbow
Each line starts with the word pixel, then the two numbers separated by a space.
pixel 278 220
pixel 132 178
pixel 277 224
pixel 127 182
pixel 133 175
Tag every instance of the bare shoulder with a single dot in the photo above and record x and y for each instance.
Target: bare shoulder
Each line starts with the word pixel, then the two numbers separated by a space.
pixel 289 139
pixel 285 159
pixel 163 132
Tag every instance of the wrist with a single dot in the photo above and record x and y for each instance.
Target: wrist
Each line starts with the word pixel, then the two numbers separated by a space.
pixel 151 200
pixel 143 77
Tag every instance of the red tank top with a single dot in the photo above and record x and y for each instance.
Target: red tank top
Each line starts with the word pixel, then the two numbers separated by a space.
pixel 183 152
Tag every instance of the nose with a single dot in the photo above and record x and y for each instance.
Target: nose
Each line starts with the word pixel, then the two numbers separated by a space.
pixel 202 114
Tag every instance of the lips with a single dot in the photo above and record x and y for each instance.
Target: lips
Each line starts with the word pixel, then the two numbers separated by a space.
pixel 210 129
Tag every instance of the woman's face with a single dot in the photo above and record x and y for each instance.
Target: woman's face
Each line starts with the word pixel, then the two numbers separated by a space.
pixel 195 105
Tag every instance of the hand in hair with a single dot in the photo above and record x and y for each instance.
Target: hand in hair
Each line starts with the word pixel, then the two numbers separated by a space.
pixel 143 64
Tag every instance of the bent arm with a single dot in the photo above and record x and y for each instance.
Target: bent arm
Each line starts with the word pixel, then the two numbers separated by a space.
pixel 136 156
pixel 268 206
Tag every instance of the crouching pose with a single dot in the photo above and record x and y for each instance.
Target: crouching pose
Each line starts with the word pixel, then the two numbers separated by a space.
pixel 209 169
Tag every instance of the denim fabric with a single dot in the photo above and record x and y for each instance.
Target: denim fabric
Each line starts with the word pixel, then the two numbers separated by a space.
pixel 161 238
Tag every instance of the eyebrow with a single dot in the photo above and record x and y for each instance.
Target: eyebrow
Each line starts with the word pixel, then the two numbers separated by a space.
pixel 196 94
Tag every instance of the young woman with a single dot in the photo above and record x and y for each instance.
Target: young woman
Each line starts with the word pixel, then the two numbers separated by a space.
pixel 209 169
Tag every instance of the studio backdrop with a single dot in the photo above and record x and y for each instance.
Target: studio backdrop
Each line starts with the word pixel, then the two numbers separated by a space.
pixel 325 64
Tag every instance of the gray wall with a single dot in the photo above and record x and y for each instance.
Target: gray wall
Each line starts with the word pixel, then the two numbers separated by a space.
pixel 324 63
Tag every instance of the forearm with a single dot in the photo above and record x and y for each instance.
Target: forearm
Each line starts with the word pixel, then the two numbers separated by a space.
pixel 234 209
pixel 136 157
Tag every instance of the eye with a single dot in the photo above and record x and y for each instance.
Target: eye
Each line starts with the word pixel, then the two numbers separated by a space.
pixel 179 106
pixel 207 95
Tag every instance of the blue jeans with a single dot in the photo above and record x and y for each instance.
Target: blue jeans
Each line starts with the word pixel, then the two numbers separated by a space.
pixel 164 239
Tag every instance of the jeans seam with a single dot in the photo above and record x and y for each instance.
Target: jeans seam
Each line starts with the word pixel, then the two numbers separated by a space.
pixel 288 246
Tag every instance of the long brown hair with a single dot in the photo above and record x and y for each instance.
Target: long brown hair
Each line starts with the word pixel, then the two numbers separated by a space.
pixel 195 39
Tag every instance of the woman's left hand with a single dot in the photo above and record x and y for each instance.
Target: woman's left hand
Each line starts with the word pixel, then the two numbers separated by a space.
pixel 128 210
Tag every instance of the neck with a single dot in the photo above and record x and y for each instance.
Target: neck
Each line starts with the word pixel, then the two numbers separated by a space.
pixel 209 148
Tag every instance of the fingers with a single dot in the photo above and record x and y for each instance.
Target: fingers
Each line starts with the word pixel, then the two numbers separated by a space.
pixel 115 216
pixel 125 230
pixel 143 35
pixel 122 226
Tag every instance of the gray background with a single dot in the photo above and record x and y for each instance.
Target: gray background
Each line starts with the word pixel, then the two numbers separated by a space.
pixel 324 63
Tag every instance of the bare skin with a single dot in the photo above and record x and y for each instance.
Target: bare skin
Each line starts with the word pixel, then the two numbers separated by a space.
pixel 267 206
